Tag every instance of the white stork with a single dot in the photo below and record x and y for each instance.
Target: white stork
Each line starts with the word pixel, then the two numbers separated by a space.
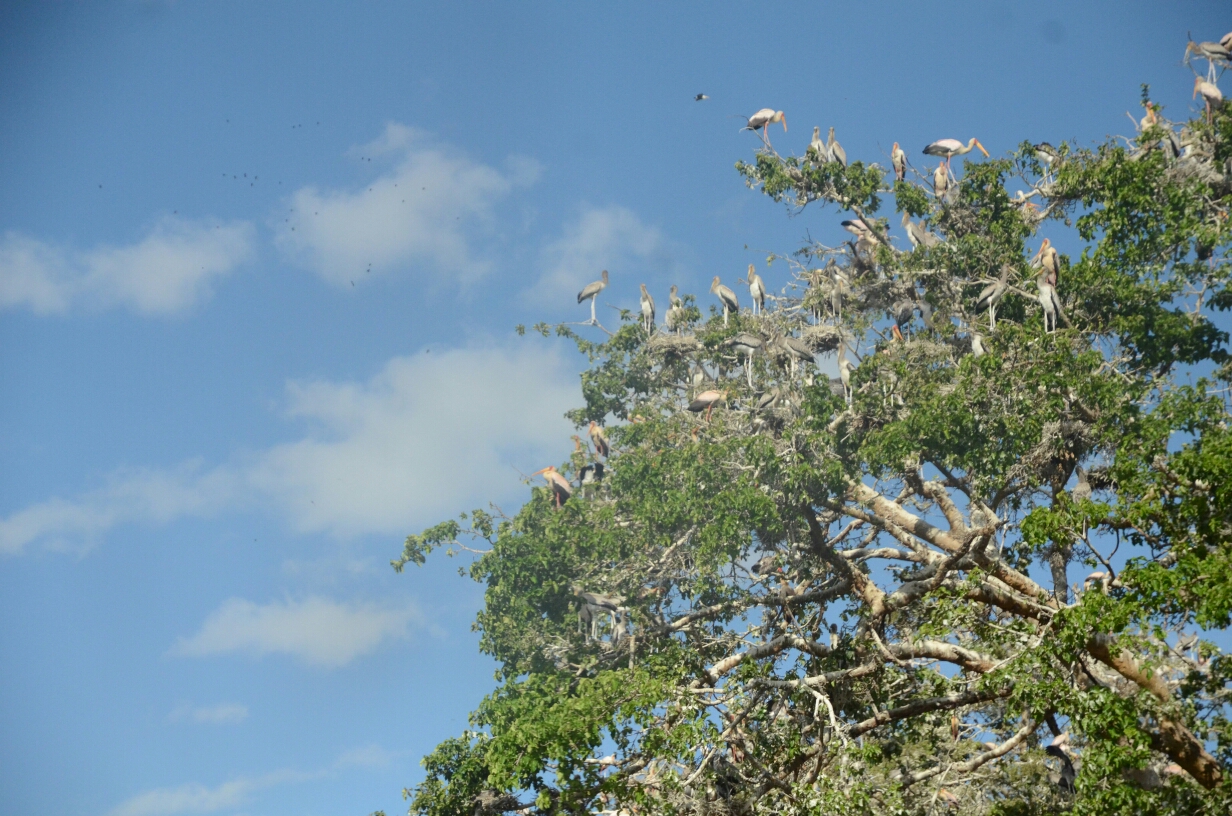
pixel 845 367
pixel 949 148
pixel 762 121
pixel 898 157
pixel 648 310
pixel 757 290
pixel 591 292
pixel 1210 92
pixel 726 296
pixel 675 312
pixel 836 150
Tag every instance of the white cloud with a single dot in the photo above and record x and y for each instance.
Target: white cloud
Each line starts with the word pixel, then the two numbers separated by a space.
pixel 611 238
pixel 427 208
pixel 195 798
pixel 423 438
pixel 130 495
pixel 318 631
pixel 210 715
pixel 424 435
pixel 165 273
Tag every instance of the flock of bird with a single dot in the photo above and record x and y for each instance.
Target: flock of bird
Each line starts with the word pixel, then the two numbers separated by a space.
pixel 1046 262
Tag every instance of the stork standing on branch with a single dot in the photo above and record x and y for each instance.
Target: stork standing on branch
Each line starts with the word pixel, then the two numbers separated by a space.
pixel 590 292
pixel 561 489
pixel 1213 52
pixel 675 311
pixel 949 148
pixel 726 296
pixel 941 182
pixel 898 157
pixel 648 310
pixel 705 401
pixel 991 295
pixel 599 438
pixel 1047 259
pixel 836 150
pixel 762 121
pixel 818 147
pixel 757 290
pixel 745 345
pixel 1211 95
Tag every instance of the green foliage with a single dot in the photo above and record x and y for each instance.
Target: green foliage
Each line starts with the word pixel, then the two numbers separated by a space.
pixel 807 602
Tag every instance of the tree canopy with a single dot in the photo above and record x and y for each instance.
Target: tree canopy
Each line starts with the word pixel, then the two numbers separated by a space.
pixel 973 574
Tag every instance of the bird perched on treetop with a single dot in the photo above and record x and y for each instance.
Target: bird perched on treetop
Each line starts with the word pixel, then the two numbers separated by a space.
pixel 762 121
pixel 592 291
pixel 898 157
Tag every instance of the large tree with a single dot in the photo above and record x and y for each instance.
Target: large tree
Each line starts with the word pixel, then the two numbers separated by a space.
pixel 975 581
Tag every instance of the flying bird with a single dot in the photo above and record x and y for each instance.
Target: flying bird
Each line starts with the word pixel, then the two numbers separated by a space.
pixel 949 148
pixel 898 157
pixel 700 97
pixel 726 296
pixel 757 290
pixel 648 310
pixel 836 150
pixel 762 121
pixel 591 292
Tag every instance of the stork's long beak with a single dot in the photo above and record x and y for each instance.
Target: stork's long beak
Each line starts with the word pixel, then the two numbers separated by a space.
pixel 981 147
pixel 784 124
pixel 1197 82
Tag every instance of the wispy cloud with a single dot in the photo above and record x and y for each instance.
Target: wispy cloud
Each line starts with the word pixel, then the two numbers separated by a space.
pixel 223 713
pixel 149 496
pixel 612 238
pixel 427 208
pixel 235 793
pixel 318 631
pixel 423 437
pixel 195 798
pixel 165 273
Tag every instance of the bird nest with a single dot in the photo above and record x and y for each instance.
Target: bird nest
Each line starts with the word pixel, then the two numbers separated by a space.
pixel 821 338
pixel 679 344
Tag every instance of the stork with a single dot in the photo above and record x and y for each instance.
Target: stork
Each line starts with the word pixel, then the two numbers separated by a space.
pixel 819 147
pixel 1047 259
pixel 762 121
pixel 599 438
pixel 1211 95
pixel 1046 282
pixel 898 157
pixel 1212 52
pixel 746 345
pixel 700 98
pixel 675 311
pixel 726 296
pixel 796 350
pixel 977 345
pixel 1082 490
pixel 705 401
pixel 561 489
pixel 1047 155
pixel 592 473
pixel 917 235
pixel 845 367
pixel 648 310
pixel 949 148
pixel 757 290
pixel 1065 779
pixel 591 292
pixel 595 605
pixel 941 182
pixel 991 295
pixel 902 311
pixel 842 285
pixel 836 150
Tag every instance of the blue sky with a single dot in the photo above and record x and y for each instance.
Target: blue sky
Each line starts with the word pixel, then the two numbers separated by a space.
pixel 259 270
